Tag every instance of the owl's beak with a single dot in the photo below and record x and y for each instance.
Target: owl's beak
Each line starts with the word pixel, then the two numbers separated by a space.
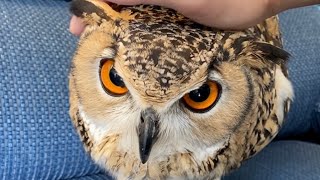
pixel 148 132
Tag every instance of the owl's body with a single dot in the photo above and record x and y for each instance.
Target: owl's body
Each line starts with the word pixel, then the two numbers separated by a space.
pixel 162 57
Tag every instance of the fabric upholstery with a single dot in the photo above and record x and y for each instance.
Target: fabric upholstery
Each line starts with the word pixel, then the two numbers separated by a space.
pixel 316 122
pixel 37 138
pixel 100 176
pixel 282 160
pixel 301 35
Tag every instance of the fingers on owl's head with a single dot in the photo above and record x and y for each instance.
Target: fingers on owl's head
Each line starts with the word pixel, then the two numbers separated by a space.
pixel 95 12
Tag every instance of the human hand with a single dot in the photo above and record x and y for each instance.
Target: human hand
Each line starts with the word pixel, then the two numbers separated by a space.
pixel 223 14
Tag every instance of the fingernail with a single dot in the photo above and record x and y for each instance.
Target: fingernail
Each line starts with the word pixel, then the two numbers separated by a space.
pixel 76 26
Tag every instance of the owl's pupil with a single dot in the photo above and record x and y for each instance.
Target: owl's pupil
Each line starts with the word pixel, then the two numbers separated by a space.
pixel 201 94
pixel 115 78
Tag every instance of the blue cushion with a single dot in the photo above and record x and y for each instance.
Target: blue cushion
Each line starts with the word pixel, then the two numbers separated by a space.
pixel 37 139
pixel 99 176
pixel 302 39
pixel 282 160
pixel 316 122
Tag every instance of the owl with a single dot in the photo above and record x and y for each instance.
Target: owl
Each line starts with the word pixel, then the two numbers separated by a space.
pixel 154 95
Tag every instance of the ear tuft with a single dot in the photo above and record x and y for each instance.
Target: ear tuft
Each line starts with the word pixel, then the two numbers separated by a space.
pixel 272 52
pixel 93 11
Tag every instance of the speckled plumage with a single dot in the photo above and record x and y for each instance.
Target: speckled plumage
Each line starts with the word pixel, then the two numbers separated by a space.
pixel 161 55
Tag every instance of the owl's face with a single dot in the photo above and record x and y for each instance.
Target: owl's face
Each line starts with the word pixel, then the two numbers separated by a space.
pixel 155 91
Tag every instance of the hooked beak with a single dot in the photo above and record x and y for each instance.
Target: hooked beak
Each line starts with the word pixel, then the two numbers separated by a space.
pixel 148 132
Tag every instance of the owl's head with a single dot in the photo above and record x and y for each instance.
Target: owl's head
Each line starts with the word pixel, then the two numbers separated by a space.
pixel 153 87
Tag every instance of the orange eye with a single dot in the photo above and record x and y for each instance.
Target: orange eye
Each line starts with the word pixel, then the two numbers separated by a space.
pixel 110 79
pixel 204 98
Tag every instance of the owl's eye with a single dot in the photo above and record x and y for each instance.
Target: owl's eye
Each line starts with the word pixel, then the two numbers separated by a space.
pixel 204 98
pixel 110 79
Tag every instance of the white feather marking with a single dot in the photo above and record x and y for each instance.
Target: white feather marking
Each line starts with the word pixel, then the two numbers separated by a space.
pixel 284 91
pixel 108 53
pixel 97 132
pixel 205 152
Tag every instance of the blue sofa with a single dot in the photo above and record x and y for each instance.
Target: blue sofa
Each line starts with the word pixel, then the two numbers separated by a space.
pixel 38 141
